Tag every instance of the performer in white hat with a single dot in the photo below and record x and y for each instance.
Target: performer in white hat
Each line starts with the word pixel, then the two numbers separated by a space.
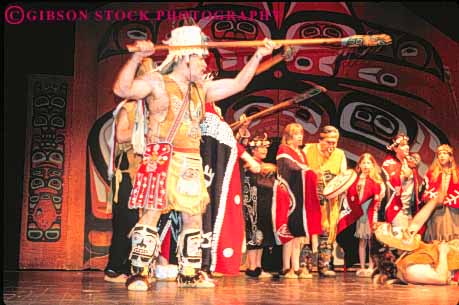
pixel 171 175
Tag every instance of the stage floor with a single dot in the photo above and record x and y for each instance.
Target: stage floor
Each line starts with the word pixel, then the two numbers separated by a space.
pixel 88 287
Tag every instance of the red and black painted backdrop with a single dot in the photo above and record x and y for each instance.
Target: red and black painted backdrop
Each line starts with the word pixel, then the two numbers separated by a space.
pixel 373 93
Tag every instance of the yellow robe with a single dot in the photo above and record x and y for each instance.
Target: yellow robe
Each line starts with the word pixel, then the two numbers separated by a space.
pixel 323 168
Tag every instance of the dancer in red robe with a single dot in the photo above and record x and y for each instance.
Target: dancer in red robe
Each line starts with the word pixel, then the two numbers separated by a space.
pixel 402 182
pixel 297 216
pixel 359 211
pixel 443 177
pixel 223 220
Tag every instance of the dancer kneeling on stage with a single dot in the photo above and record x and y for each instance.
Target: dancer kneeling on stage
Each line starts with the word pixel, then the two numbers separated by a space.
pixel 435 263
pixel 171 175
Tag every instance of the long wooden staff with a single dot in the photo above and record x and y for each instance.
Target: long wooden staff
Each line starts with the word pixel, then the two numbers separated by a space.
pixel 346 42
pixel 290 102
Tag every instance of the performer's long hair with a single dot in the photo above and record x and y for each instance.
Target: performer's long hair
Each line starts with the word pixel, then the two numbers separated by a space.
pixel 436 167
pixel 386 270
pixel 375 172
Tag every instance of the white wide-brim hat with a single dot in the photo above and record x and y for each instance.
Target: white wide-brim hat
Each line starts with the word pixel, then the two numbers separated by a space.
pixel 189 35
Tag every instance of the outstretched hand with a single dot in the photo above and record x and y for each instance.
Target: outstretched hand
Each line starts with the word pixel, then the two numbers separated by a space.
pixel 244 119
pixel 268 48
pixel 243 131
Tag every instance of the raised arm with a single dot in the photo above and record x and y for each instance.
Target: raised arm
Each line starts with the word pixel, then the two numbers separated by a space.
pixel 223 88
pixel 126 84
pixel 250 163
pixel 424 213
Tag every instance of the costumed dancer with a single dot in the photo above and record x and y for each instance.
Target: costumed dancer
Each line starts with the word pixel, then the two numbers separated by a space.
pixel 296 212
pixel 327 161
pixel 435 263
pixel 258 196
pixel 443 177
pixel 123 218
pixel 402 180
pixel 223 221
pixel 171 175
pixel 360 210
pixel 123 166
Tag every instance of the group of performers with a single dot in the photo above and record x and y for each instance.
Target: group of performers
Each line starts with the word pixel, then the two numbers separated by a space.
pixel 183 184
pixel 420 238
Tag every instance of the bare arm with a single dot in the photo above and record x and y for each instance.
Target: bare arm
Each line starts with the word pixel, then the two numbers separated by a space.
pixel 424 213
pixel 123 127
pixel 250 163
pixel 223 88
pixel 126 85
pixel 243 131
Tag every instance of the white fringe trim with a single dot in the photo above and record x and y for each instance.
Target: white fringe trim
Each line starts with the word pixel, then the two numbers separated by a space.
pixel 214 127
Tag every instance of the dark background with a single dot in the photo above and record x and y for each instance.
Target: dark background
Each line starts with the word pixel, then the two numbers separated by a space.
pixel 40 48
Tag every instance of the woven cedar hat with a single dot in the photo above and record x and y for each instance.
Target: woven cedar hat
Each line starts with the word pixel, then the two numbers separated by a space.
pixel 187 35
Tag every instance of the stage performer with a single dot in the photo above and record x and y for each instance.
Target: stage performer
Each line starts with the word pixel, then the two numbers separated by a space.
pixel 297 215
pixel 327 161
pixel 416 262
pixel 171 175
pixel 402 180
pixel 258 196
pixel 223 220
pixel 360 210
pixel 122 176
pixel 121 170
pixel 443 176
